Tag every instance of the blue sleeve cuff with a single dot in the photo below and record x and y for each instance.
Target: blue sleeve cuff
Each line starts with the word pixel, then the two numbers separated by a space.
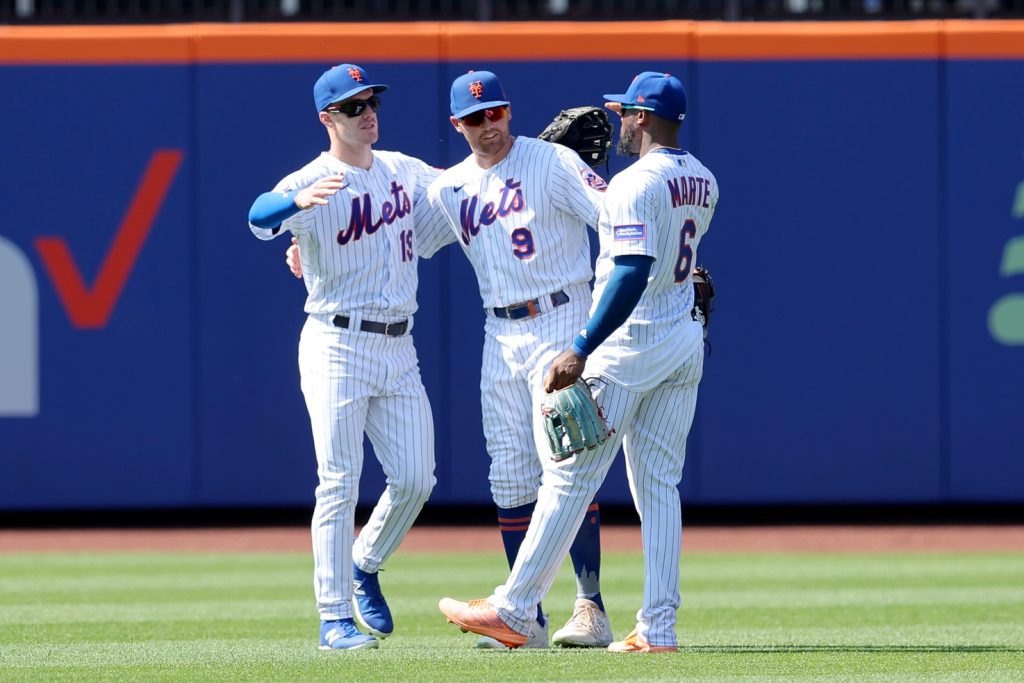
pixel 579 346
pixel 273 208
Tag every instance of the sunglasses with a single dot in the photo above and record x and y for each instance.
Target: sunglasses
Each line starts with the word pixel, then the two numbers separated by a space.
pixel 631 107
pixel 477 118
pixel 354 108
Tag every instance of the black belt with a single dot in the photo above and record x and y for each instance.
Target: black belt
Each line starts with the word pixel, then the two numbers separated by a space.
pixel 390 329
pixel 529 309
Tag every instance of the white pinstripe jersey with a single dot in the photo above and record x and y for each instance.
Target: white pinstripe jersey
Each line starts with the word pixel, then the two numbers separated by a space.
pixel 522 222
pixel 660 206
pixel 358 251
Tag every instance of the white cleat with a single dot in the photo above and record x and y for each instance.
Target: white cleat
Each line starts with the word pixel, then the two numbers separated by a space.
pixel 538 639
pixel 587 627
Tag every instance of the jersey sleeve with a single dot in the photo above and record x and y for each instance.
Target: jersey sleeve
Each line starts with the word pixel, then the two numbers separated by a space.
pixel 432 229
pixel 425 175
pixel 576 188
pixel 265 233
pixel 299 223
pixel 630 214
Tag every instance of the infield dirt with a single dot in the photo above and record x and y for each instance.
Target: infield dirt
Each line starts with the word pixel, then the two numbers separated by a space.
pixel 810 539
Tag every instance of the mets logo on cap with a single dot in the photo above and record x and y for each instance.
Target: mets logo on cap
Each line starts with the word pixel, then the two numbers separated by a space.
pixel 476 89
pixel 355 75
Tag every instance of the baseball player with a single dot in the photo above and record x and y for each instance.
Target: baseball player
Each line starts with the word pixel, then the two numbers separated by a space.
pixel 351 211
pixel 643 354
pixel 519 208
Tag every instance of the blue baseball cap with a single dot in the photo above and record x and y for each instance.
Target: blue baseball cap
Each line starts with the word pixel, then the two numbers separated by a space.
pixel 475 91
pixel 340 83
pixel 660 93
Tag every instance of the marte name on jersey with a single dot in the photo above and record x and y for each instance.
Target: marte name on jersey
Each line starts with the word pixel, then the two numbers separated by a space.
pixel 689 191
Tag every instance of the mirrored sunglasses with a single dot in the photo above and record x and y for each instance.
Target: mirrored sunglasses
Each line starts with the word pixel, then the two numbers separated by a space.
pixel 354 108
pixel 477 118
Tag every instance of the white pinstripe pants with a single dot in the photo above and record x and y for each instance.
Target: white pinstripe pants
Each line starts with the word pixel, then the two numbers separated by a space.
pixel 516 355
pixel 651 427
pixel 356 382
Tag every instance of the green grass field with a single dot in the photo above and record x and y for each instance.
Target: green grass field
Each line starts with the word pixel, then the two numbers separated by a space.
pixel 753 617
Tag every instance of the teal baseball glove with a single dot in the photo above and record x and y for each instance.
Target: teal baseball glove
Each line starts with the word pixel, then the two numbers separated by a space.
pixel 572 421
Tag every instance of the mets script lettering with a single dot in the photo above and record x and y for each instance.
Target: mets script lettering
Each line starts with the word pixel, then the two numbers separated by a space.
pixel 361 221
pixel 510 201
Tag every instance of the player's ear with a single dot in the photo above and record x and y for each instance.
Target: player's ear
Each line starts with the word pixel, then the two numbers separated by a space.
pixel 325 118
pixel 455 123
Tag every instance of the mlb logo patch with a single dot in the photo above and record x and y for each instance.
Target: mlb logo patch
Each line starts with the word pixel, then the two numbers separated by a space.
pixel 624 233
pixel 594 180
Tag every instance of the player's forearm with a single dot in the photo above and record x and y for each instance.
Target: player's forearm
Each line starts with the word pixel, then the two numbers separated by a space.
pixel 625 287
pixel 272 208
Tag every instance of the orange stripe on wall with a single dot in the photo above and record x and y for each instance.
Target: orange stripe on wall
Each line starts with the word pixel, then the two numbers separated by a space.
pixel 329 43
pixel 94 45
pixel 499 41
pixel 819 40
pixel 988 40
pixel 568 40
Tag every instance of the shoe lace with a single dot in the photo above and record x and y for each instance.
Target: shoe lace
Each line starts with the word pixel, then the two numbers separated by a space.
pixel 583 616
pixel 345 627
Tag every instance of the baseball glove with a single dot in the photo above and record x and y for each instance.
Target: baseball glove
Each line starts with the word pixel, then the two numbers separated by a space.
pixel 703 298
pixel 586 130
pixel 572 421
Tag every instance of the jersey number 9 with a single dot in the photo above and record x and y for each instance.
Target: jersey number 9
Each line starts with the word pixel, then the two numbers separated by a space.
pixel 522 243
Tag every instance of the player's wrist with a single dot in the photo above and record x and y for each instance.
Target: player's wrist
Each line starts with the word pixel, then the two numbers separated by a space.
pixel 579 346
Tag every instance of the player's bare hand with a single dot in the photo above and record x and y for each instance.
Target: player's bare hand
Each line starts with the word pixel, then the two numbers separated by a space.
pixel 318 192
pixel 564 371
pixel 291 258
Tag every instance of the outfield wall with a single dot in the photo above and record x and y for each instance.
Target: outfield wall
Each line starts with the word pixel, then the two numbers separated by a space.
pixel 868 251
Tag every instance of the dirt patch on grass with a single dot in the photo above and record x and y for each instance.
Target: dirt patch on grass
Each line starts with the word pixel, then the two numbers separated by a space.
pixel 466 539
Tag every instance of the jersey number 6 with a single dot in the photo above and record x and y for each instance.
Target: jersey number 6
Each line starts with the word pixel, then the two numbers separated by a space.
pixel 685 262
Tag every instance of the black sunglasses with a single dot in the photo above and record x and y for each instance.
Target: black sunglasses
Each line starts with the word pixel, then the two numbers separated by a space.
pixel 354 108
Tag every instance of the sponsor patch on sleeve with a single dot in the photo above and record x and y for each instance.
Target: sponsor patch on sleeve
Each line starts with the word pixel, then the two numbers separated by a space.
pixel 624 233
pixel 594 180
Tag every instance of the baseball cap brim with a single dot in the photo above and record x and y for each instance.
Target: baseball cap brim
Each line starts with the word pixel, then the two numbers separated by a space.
pixel 477 106
pixel 617 107
pixel 618 98
pixel 377 89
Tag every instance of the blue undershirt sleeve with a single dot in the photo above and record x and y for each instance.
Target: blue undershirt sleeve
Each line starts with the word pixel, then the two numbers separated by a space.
pixel 272 208
pixel 624 289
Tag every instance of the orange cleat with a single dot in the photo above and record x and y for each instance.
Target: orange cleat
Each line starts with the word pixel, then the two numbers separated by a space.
pixel 633 643
pixel 479 617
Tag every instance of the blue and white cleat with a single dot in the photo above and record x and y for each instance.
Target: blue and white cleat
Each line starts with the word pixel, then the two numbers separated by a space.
pixel 343 635
pixel 371 609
